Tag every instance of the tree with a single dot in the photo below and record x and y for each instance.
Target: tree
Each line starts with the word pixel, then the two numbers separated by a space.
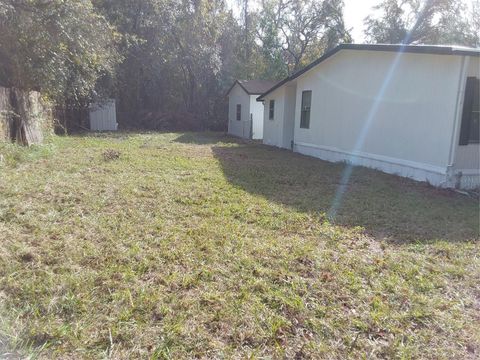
pixel 300 30
pixel 176 55
pixel 59 47
pixel 421 21
pixel 159 56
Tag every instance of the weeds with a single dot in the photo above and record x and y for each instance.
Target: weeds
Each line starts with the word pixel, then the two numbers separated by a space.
pixel 196 246
pixel 110 154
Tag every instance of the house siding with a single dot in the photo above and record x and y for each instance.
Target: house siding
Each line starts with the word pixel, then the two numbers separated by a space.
pixel 256 109
pixel 273 129
pixel 394 112
pixel 238 128
pixel 467 157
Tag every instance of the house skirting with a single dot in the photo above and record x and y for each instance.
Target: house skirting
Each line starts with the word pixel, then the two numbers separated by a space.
pixel 467 179
pixel 434 175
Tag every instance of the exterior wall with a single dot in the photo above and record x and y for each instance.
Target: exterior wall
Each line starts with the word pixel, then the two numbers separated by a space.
pixel 256 109
pixel 289 116
pixel 467 157
pixel 239 128
pixel 273 129
pixel 382 110
pixel 103 117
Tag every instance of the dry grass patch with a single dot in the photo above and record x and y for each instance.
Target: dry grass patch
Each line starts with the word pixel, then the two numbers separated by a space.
pixel 198 246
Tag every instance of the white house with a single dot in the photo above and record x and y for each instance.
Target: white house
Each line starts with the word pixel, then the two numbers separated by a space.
pixel 406 110
pixel 245 114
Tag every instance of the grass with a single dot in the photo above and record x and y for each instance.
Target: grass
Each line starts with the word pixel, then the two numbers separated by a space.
pixel 168 246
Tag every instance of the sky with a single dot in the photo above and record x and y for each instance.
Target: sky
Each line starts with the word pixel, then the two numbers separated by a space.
pixel 355 12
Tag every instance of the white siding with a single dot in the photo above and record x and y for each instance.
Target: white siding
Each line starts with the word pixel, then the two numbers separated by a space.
pixel 238 128
pixel 289 116
pixel 273 129
pixel 103 116
pixel 256 109
pixel 395 112
pixel 467 157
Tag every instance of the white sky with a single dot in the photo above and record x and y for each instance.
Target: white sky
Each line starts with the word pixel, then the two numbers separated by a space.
pixel 355 12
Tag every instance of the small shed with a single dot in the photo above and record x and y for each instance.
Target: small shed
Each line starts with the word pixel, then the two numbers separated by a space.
pixel 103 116
pixel 245 114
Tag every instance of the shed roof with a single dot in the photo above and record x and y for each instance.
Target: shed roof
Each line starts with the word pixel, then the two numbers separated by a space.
pixel 254 87
pixel 418 49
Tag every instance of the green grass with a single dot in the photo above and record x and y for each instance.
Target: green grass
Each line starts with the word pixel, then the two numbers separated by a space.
pixel 199 246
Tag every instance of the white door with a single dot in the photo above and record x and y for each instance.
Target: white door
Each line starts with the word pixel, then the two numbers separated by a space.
pixel 247 127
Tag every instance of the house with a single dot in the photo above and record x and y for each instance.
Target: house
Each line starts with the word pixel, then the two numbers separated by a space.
pixel 245 114
pixel 406 110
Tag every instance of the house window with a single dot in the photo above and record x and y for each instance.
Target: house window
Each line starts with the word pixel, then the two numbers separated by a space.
pixel 239 112
pixel 470 128
pixel 271 112
pixel 305 110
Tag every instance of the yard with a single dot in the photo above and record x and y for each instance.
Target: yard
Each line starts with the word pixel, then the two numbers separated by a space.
pixel 199 246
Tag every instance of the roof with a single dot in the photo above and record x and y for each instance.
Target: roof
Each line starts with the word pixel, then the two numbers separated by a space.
pixel 254 87
pixel 417 49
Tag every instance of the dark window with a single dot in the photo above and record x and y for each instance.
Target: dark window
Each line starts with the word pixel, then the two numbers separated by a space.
pixel 470 128
pixel 271 113
pixel 239 112
pixel 305 111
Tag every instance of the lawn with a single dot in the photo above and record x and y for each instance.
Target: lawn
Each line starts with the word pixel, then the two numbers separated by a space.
pixel 160 246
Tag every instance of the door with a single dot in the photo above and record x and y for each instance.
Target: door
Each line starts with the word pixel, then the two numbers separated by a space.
pixel 247 127
pixel 289 117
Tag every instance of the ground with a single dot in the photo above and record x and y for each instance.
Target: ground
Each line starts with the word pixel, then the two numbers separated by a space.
pixel 200 246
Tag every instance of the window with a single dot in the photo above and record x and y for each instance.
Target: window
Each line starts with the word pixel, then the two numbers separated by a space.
pixel 271 113
pixel 305 110
pixel 470 128
pixel 239 112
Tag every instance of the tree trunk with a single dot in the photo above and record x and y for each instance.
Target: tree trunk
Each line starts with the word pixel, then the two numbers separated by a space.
pixel 6 119
pixel 27 128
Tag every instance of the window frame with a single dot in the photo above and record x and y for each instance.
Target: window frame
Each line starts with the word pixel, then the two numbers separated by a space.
pixel 271 109
pixel 239 112
pixel 469 131
pixel 304 120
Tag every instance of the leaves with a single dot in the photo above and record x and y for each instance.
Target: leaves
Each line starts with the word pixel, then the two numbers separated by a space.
pixel 163 56
pixel 59 47
pixel 424 22
pixel 299 31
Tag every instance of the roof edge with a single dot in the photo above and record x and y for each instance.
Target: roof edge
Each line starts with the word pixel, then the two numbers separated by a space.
pixel 237 81
pixel 418 49
pixel 240 84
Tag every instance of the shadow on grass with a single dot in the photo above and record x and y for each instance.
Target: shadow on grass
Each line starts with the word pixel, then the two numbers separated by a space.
pixel 120 134
pixel 387 206
pixel 194 138
pixel 205 138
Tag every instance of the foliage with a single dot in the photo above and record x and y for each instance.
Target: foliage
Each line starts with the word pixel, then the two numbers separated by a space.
pixel 424 21
pixel 299 31
pixel 199 246
pixel 59 47
pixel 159 57
pixel 176 54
